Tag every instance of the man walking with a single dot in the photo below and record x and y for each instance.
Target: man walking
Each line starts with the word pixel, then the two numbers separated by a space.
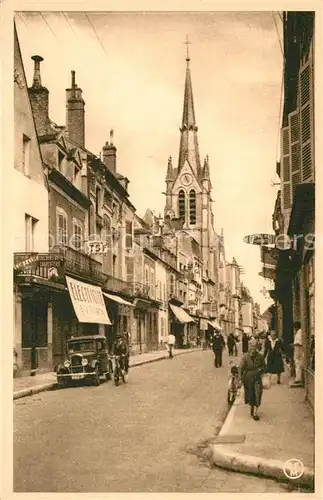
pixel 170 344
pixel 218 346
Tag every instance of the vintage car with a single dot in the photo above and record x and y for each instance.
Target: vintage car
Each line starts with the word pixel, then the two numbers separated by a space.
pixel 87 359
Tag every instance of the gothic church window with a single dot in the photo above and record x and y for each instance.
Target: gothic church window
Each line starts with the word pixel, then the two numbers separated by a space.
pixel 192 207
pixel 181 204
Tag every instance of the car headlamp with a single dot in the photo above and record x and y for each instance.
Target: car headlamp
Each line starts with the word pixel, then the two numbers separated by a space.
pixel 84 361
pixel 67 363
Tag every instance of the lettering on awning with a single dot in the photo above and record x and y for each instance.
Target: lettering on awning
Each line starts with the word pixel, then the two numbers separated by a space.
pixel 88 302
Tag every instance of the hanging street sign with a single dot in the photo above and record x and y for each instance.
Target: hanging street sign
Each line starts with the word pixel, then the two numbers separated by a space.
pixel 260 239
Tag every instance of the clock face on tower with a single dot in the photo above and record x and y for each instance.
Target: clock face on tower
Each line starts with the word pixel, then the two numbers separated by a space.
pixel 186 179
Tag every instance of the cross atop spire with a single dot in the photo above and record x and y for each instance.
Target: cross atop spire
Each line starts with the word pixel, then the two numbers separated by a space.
pixel 187 43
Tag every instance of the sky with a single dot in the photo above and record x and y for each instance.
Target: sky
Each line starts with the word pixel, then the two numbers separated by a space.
pixel 131 68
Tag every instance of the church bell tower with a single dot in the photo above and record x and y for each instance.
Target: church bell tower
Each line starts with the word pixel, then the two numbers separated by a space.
pixel 188 185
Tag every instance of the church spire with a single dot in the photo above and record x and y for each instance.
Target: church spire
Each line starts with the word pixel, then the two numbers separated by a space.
pixel 189 149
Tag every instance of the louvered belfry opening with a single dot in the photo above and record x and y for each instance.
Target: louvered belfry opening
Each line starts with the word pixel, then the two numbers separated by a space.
pixel 181 204
pixel 192 207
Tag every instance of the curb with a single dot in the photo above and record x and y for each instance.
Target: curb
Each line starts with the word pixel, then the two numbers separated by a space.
pixel 222 457
pixel 30 391
pixel 248 464
pixel 34 390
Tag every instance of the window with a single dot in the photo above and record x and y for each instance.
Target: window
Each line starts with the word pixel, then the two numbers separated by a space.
pixel 25 154
pixel 97 200
pixel 61 226
pixel 172 284
pixel 77 178
pixel 114 265
pixel 30 226
pixel 77 234
pixel 192 207
pixel 164 291
pixel 181 204
pixel 128 235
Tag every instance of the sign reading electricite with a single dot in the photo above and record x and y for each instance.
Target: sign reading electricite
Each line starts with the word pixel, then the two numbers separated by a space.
pixel 260 239
pixel 88 302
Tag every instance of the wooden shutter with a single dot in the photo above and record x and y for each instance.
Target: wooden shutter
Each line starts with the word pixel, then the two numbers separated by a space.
pixel 129 269
pixel 307 121
pixel 285 162
pixel 294 150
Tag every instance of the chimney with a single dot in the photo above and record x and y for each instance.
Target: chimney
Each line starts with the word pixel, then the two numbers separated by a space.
pixel 75 114
pixel 39 97
pixel 110 155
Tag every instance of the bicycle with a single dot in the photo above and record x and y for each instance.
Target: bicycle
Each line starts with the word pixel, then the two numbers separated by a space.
pixel 119 371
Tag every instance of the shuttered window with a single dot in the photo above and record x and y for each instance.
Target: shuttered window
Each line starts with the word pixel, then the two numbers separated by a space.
pixel 61 226
pixel 285 162
pixel 294 145
pixel 77 235
pixel 307 121
pixel 128 235
pixel 192 207
pixel 181 204
pixel 129 269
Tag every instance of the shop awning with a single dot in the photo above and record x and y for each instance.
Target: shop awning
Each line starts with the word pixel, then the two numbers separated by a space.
pixel 88 302
pixel 181 315
pixel 215 324
pixel 118 299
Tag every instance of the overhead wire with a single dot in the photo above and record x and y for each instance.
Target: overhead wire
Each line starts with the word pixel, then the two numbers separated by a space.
pixel 44 19
pixel 96 34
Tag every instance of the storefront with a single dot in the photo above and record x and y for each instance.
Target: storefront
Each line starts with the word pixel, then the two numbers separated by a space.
pixel 120 312
pixel 180 321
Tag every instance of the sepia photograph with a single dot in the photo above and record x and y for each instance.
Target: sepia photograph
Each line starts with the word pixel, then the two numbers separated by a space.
pixel 163 238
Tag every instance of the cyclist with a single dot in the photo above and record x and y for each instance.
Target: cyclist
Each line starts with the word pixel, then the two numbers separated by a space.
pixel 120 348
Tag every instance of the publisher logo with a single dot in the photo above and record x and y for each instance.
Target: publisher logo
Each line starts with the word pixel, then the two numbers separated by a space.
pixel 293 468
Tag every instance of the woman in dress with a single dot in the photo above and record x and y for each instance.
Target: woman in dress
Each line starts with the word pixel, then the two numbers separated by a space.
pixel 274 353
pixel 252 368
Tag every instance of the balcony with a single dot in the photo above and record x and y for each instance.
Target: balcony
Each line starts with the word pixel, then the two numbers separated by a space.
pixel 117 285
pixel 141 290
pixel 68 260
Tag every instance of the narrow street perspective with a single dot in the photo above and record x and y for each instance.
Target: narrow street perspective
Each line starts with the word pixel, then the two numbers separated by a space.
pixel 163 218
pixel 140 437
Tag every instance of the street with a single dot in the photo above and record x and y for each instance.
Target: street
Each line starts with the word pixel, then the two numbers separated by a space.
pixel 139 437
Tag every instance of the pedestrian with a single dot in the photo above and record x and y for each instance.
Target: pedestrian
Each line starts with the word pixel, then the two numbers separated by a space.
pixel 218 345
pixel 298 353
pixel 236 341
pixel 252 368
pixel 245 343
pixel 170 344
pixel 231 343
pixel 274 353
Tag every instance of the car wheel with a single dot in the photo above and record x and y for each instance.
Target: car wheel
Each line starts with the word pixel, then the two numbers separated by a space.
pixel 96 377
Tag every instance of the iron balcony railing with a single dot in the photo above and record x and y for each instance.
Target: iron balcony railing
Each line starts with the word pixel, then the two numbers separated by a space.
pixel 68 260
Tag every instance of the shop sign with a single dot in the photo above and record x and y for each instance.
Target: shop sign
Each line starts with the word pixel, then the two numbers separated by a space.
pixel 260 239
pixel 269 256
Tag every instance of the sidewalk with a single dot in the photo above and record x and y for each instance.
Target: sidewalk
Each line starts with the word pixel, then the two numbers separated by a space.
pixel 285 431
pixel 27 386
